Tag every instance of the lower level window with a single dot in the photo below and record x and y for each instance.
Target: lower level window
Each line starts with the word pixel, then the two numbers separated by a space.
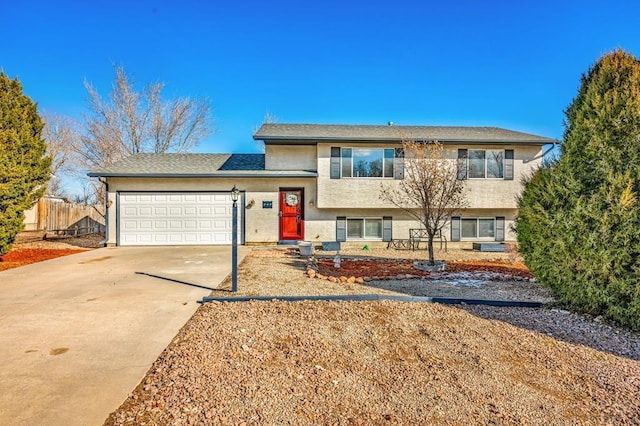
pixel 364 228
pixel 478 228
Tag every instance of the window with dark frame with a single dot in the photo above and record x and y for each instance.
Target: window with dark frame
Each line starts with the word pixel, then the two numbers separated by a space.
pixel 478 228
pixel 367 162
pixel 364 228
pixel 485 164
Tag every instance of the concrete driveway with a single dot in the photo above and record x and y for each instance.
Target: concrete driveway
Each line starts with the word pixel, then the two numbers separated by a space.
pixel 78 333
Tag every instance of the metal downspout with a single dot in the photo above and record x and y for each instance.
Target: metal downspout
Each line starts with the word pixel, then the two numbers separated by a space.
pixel 106 210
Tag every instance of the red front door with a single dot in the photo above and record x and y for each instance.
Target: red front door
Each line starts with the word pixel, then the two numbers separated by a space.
pixel 291 214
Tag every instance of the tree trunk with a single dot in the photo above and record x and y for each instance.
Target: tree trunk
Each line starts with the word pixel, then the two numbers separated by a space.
pixel 432 260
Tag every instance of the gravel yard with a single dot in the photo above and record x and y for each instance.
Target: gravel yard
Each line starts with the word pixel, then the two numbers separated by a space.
pixel 375 363
pixel 281 272
pixel 386 362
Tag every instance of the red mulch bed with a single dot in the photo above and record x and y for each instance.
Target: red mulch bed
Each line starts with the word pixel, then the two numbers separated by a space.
pixel 390 268
pixel 21 257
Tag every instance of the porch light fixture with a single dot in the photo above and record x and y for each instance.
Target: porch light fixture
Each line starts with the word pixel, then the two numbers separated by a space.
pixel 235 193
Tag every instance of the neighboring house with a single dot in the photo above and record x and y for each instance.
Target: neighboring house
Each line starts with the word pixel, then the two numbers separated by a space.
pixel 314 183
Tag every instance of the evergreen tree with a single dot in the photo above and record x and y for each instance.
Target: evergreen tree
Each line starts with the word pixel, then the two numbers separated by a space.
pixel 24 168
pixel 579 220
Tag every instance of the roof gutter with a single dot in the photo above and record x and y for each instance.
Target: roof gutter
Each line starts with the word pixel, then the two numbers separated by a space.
pixel 207 175
pixel 307 139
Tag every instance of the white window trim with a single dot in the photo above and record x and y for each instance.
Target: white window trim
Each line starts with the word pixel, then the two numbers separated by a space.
pixel 367 177
pixel 364 219
pixel 476 238
pixel 485 164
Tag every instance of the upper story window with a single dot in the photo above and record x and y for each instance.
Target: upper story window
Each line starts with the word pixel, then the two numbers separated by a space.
pixel 367 162
pixel 485 164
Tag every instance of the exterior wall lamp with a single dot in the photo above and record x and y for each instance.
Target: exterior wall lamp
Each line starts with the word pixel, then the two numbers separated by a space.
pixel 235 193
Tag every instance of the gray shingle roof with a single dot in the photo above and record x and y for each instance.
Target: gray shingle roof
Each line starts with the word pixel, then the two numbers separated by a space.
pixel 290 133
pixel 195 165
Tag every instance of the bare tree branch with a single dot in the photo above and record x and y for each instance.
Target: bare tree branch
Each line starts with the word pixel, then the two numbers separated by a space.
pixel 60 134
pixel 131 122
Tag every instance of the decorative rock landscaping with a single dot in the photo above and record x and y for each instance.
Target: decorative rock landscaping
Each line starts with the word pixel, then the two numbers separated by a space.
pixel 366 270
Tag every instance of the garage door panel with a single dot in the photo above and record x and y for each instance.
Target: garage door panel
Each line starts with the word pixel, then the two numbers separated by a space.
pixel 221 224
pixel 160 239
pixel 175 238
pixel 129 239
pixel 129 225
pixel 190 224
pixel 190 238
pixel 175 218
pixel 205 238
pixel 145 225
pixel 145 238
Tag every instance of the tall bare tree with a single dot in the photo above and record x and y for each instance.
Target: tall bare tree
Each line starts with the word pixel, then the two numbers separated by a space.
pixel 60 134
pixel 431 191
pixel 131 122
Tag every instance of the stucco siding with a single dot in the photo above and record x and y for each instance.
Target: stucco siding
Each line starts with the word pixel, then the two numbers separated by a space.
pixel 481 193
pixel 290 157
pixel 325 198
pixel 349 192
pixel 261 225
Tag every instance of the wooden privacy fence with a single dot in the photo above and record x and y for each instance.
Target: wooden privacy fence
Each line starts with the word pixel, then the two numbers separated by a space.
pixel 53 214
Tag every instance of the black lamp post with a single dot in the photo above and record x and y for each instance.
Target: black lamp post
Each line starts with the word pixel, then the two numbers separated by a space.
pixel 234 240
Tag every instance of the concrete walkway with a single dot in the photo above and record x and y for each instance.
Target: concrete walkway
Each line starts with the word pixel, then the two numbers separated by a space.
pixel 78 333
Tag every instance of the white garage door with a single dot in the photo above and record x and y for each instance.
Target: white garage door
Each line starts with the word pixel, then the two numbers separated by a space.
pixel 193 218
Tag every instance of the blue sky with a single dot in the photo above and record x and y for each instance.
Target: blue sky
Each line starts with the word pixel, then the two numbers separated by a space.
pixel 508 64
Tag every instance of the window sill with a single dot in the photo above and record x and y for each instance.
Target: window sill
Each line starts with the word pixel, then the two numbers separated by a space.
pixel 367 178
pixel 488 179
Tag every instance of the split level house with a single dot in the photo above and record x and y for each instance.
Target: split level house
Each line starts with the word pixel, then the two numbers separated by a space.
pixel 315 183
